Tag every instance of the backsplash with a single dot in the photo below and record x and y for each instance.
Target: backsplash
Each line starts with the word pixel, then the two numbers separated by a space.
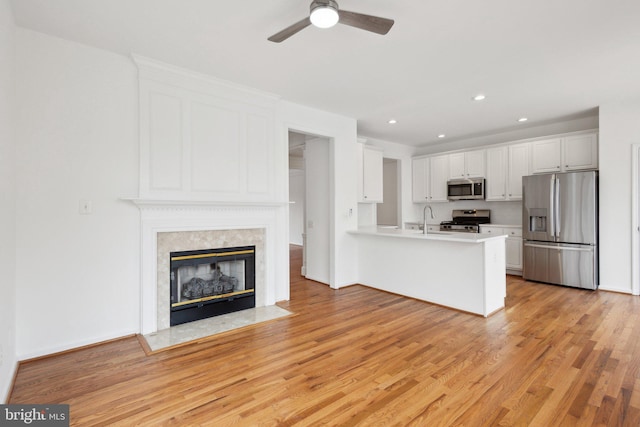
pixel 507 213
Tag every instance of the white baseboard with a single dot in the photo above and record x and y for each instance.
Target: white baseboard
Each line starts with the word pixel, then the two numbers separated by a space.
pixel 76 344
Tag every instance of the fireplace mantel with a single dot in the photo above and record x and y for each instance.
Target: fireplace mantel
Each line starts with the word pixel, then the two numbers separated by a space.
pixel 164 215
pixel 186 203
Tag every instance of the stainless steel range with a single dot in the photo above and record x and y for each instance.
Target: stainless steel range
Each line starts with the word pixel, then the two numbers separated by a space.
pixel 466 220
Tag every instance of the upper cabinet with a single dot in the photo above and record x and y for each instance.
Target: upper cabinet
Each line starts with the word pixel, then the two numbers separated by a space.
pixel 370 184
pixel 503 165
pixel 429 179
pixel 468 164
pixel 580 152
pixel 439 176
pixel 420 180
pixel 506 165
pixel 519 166
pixel 574 152
pixel 497 161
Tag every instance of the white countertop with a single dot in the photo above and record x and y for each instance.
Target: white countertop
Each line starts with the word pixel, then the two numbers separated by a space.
pixel 434 235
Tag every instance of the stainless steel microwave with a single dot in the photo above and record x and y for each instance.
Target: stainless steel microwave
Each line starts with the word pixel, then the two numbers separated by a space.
pixel 465 189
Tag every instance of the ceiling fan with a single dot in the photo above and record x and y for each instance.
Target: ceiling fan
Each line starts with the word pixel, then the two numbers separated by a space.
pixel 325 14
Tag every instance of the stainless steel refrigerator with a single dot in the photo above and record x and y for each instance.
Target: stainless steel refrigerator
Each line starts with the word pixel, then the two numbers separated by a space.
pixel 560 228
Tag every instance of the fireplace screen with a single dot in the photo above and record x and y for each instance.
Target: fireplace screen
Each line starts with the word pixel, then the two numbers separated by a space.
pixel 206 283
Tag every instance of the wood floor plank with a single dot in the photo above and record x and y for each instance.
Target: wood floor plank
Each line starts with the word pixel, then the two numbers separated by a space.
pixel 554 356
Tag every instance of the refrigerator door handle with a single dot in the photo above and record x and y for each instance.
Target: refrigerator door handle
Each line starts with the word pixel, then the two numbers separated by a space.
pixel 552 208
pixel 563 248
pixel 556 207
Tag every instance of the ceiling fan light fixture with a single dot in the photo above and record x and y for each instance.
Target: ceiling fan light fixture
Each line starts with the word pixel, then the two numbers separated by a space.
pixel 324 14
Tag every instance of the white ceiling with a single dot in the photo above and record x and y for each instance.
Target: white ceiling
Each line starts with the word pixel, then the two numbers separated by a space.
pixel 547 60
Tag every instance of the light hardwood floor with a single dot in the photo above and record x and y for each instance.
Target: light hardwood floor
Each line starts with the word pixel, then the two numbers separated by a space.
pixel 356 356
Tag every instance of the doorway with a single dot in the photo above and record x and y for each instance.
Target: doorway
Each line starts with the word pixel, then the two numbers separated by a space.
pixel 309 207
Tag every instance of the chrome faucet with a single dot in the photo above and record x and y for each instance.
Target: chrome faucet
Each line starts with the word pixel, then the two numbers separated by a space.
pixel 424 218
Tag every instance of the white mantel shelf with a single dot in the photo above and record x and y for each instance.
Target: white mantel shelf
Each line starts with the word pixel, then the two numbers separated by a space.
pixel 155 203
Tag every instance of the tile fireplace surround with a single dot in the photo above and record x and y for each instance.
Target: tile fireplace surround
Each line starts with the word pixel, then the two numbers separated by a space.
pixel 176 241
pixel 168 226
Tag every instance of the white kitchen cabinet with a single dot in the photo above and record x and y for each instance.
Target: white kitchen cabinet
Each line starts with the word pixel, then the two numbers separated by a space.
pixel 420 180
pixel 371 175
pixel 574 152
pixel 429 179
pixel 519 166
pixel 468 164
pixel 580 152
pixel 506 166
pixel 546 155
pixel 491 229
pixel 439 175
pixel 496 183
pixel 513 245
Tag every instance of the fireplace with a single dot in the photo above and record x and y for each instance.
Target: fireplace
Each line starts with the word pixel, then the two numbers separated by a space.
pixel 211 282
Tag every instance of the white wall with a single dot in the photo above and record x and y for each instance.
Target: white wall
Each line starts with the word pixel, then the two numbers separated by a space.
pixel 77 126
pixel 8 358
pixel 296 208
pixel 76 117
pixel 317 209
pixel 619 129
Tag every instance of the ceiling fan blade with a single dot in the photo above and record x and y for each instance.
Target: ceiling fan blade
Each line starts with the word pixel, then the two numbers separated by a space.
pixel 366 22
pixel 290 30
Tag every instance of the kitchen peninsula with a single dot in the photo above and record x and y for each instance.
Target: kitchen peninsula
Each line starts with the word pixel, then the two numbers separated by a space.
pixel 464 271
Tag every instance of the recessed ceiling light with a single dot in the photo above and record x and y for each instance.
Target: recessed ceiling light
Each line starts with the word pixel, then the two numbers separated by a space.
pixel 392 121
pixel 522 119
pixel 442 135
pixel 478 97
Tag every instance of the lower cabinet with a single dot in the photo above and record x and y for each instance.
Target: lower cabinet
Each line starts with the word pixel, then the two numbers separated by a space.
pixel 513 245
